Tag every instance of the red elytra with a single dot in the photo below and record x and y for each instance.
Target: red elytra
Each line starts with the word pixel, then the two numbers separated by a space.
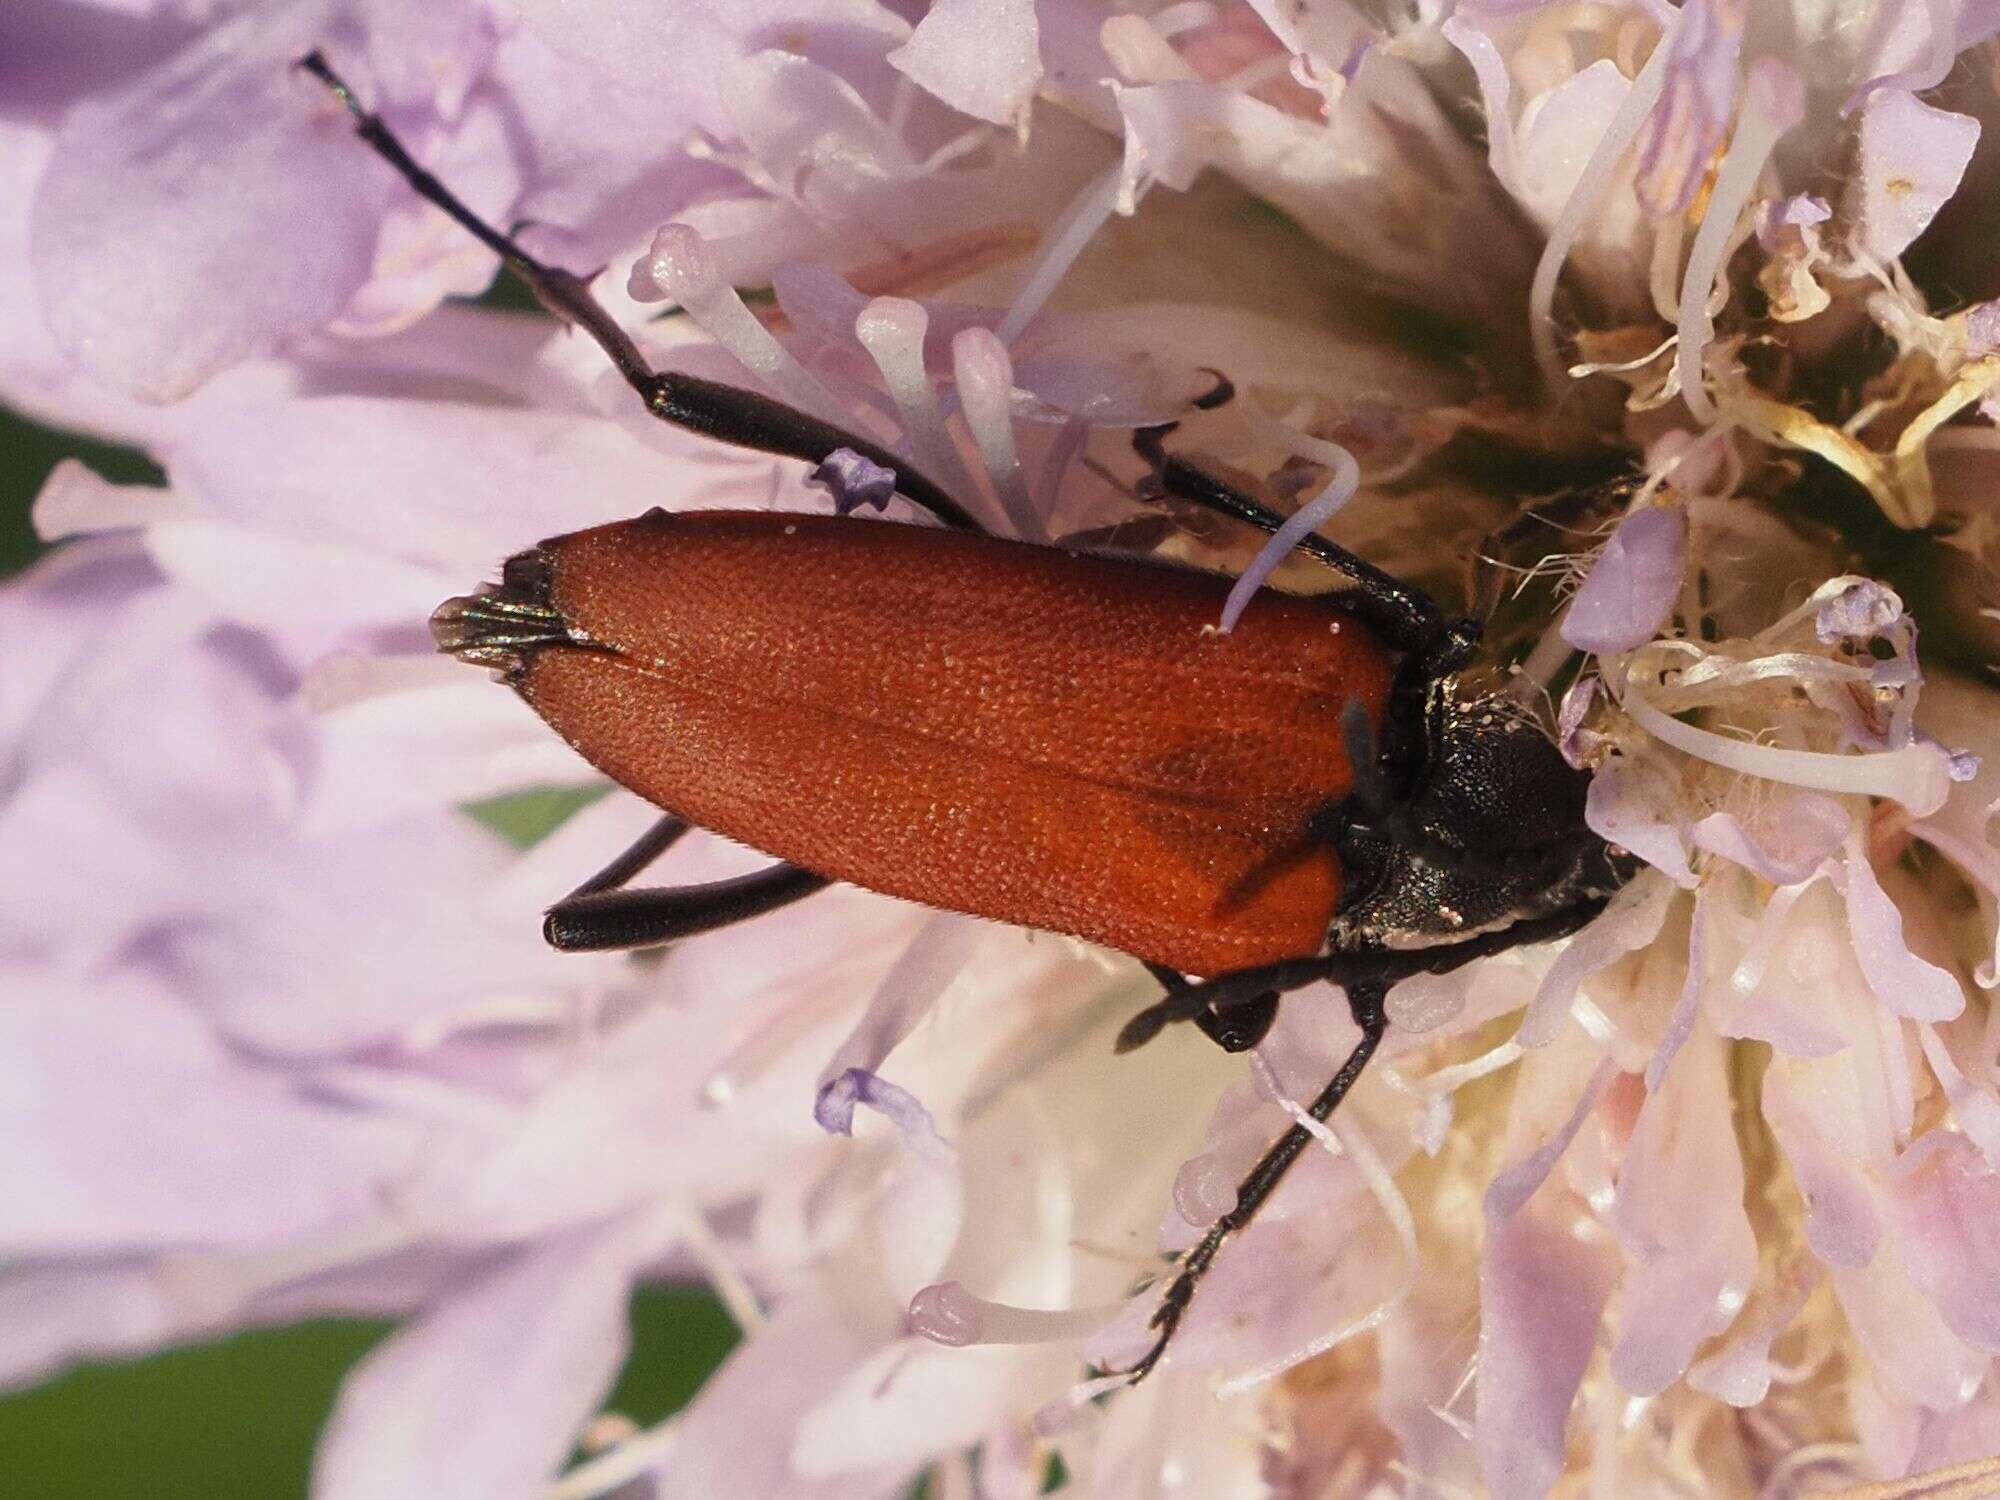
pixel 1048 738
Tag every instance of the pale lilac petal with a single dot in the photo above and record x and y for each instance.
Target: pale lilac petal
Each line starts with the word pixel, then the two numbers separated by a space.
pixel 1384 181
pixel 130 1125
pixel 737 1436
pixel 1906 984
pixel 1982 328
pixel 1793 835
pixel 655 77
pixel 1548 1137
pixel 1633 584
pixel 982 57
pixel 1739 1370
pixel 1542 1292
pixel 398 734
pixel 1633 920
pixel 1975 1106
pixel 1634 803
pixel 1945 1205
pixel 913 1400
pixel 211 209
pixel 1691 1255
pixel 482 1396
pixel 1687 127
pixel 934 959
pixel 1680 1025
pixel 60 1313
pixel 1842 1225
pixel 1106 388
pixel 1861 611
pixel 1778 989
pixel 1968 1437
pixel 1912 158
pixel 1902 1335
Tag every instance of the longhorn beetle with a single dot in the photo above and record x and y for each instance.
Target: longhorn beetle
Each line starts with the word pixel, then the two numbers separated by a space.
pixel 1029 734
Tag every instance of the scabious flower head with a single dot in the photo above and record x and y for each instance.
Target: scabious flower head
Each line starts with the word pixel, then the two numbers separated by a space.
pixel 1701 1201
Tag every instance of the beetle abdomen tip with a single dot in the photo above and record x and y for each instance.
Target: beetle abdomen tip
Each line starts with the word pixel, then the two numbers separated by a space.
pixel 505 623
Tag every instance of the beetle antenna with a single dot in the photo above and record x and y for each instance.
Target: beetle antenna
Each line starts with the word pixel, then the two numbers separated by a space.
pixel 708 407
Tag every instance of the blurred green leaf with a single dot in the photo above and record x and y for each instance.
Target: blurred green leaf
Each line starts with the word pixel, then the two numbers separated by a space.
pixel 27 453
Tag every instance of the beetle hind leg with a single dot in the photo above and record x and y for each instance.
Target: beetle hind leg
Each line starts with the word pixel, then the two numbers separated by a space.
pixel 600 916
pixel 611 921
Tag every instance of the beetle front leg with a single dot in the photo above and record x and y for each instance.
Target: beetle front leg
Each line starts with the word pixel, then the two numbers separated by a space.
pixel 725 412
pixel 1364 998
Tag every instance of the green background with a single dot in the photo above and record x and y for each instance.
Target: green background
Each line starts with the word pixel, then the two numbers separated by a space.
pixel 237 1418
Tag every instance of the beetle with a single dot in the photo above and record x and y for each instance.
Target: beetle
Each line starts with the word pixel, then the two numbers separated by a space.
pixel 1042 736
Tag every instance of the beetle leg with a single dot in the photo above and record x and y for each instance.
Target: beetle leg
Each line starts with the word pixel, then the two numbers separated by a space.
pixel 648 847
pixel 605 920
pixel 1367 977
pixel 1365 999
pixel 1188 1000
pixel 725 412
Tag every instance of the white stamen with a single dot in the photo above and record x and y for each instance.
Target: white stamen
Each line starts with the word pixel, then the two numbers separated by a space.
pixel 1550 654
pixel 986 395
pixel 1205 1188
pixel 1582 202
pixel 1183 15
pixel 1053 1417
pixel 948 1314
pixel 682 268
pixel 1450 1080
pixel 1918 776
pixel 1065 241
pixel 928 967
pixel 609 1472
pixel 721 1273
pixel 892 330
pixel 1140 54
pixel 1255 75
pixel 747 1061
pixel 1308 519
pixel 1773 102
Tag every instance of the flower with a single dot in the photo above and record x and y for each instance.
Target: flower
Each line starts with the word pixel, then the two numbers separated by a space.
pixel 1699 1201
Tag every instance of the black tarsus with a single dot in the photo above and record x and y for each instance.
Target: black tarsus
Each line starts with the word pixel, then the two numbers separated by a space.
pixel 1364 999
pixel 724 412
